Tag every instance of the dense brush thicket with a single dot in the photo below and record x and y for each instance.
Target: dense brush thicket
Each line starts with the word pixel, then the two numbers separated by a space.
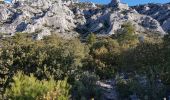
pixel 59 69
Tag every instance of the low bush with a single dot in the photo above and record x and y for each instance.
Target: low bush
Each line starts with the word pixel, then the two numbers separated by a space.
pixel 26 87
pixel 85 87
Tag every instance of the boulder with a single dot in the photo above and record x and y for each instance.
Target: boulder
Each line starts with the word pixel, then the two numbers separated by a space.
pixel 5 14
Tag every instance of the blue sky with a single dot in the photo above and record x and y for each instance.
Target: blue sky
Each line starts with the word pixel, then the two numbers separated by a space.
pixel 131 2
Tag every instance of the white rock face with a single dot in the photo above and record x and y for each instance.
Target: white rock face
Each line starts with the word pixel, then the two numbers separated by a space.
pixel 36 16
pixel 109 21
pixel 5 14
pixel 45 17
pixel 160 12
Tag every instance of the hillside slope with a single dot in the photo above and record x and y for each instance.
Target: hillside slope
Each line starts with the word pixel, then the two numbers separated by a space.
pixel 41 18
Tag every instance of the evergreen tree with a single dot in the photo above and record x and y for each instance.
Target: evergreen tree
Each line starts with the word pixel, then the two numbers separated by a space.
pixel 91 39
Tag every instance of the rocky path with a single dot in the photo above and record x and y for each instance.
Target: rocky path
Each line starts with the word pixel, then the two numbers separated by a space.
pixel 109 90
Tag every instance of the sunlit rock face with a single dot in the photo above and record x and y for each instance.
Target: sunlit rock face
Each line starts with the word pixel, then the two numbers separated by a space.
pixel 46 17
pixel 42 17
pixel 109 20
pixel 160 12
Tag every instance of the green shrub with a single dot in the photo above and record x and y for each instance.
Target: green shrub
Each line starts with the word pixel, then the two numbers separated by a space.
pixel 61 92
pixel 28 87
pixel 103 58
pixel 143 88
pixel 50 56
pixel 91 39
pixel 126 36
pixel 144 55
pixel 85 87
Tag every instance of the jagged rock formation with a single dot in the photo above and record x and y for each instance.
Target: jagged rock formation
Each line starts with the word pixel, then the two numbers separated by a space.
pixel 109 20
pixel 160 12
pixel 37 16
pixel 45 17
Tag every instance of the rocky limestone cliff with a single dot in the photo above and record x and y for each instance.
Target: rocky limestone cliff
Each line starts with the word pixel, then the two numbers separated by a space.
pixel 160 12
pixel 108 20
pixel 37 16
pixel 44 17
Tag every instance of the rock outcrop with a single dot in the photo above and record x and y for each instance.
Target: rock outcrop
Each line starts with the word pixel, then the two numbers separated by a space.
pixel 44 17
pixel 110 19
pixel 160 12
pixel 37 16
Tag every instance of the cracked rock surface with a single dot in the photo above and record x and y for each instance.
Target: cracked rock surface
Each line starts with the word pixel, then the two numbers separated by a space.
pixel 45 17
pixel 36 16
pixel 160 12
